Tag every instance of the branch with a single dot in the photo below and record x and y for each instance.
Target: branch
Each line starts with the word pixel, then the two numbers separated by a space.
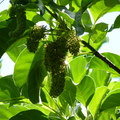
pixel 1 1
pixel 97 54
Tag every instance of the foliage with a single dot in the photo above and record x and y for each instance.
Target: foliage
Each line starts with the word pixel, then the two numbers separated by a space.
pixel 58 73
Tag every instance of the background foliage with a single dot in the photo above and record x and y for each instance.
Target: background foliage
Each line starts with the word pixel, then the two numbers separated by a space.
pixel 89 92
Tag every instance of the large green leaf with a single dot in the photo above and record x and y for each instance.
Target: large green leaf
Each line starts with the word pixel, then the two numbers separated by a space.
pixel 22 67
pixel 29 115
pixel 7 112
pixel 101 78
pixel 16 48
pixel 112 100
pixel 8 90
pixel 100 65
pixel 99 9
pixel 99 32
pixel 96 100
pixel 85 89
pixel 78 68
pixel 35 78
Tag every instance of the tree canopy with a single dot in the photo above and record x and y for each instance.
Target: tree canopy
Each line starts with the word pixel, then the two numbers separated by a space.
pixel 59 73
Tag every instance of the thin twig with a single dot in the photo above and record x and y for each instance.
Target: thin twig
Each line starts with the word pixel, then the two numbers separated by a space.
pixel 97 54
pixel 1 1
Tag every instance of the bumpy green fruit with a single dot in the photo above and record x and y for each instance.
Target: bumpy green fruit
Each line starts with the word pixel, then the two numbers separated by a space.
pixel 35 35
pixel 21 21
pixel 54 61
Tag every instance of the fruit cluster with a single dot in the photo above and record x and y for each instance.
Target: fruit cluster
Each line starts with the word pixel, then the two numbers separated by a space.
pixel 35 35
pixel 19 12
pixel 73 43
pixel 55 63
pixel 55 55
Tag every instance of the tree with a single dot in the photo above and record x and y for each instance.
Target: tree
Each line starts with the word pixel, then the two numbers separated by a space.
pixel 58 70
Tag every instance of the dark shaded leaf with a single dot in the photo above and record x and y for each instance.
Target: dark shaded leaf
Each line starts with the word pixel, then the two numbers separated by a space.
pixel 78 24
pixel 111 3
pixel 35 78
pixel 41 7
pixel 29 115
pixel 85 4
pixel 8 90
pixel 112 100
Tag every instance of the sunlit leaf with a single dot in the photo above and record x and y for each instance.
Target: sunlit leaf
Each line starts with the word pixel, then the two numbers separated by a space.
pixel 99 32
pixel 15 49
pixel 85 90
pixel 98 9
pixel 101 78
pixel 78 68
pixel 22 67
pixel 96 100
pixel 100 65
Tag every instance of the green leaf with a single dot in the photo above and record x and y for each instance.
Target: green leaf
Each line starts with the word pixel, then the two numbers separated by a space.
pixel 22 67
pixel 54 6
pixel 8 90
pixel 35 78
pixel 69 92
pixel 111 3
pixel 116 86
pixel 5 40
pixel 16 48
pixel 86 19
pixel 64 2
pixel 29 115
pixel 107 114
pixel 66 17
pixel 85 90
pixel 101 78
pixel 100 65
pixel 99 32
pixel 78 68
pixel 96 100
pixel 78 25
pixel 85 4
pixel 99 9
pixel 41 7
pixel 117 22
pixel 112 100
pixel 7 112
pixel 4 15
